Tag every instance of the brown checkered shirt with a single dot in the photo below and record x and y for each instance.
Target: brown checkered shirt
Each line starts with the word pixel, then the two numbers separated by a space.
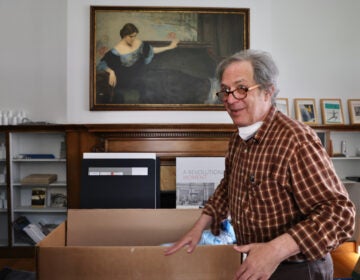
pixel 283 181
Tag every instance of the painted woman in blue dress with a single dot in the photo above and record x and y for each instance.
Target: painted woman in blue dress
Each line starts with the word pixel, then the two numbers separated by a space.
pixel 125 62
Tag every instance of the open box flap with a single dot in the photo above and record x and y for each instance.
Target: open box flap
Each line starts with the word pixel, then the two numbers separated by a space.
pixel 134 227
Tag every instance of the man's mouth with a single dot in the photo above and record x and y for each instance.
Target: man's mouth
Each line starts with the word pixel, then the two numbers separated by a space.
pixel 236 110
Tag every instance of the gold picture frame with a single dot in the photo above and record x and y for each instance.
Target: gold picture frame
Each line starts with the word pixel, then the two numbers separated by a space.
pixel 332 111
pixel 354 110
pixel 305 110
pixel 177 53
pixel 282 104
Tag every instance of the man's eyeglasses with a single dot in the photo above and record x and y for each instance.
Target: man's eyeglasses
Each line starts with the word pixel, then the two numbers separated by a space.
pixel 238 93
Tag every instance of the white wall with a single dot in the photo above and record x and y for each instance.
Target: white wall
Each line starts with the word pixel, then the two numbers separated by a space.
pixel 316 45
pixel 44 54
pixel 33 58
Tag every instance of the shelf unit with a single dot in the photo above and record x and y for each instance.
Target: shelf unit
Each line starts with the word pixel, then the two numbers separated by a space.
pixel 3 193
pixel 346 165
pixel 26 150
pixel 349 164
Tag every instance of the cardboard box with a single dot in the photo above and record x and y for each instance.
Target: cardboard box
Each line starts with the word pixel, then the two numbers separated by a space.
pixel 126 244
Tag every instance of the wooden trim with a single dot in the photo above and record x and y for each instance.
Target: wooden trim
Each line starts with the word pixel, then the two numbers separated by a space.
pixel 164 130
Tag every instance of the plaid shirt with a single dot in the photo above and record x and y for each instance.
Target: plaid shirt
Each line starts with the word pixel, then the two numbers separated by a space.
pixel 283 181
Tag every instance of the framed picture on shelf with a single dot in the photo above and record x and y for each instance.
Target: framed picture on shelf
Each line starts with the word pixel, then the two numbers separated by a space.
pixel 354 110
pixel 38 197
pixel 332 111
pixel 282 104
pixel 305 110
pixel 156 58
pixel 58 198
pixel 324 136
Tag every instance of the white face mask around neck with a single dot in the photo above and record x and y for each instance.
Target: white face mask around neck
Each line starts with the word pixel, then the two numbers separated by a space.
pixel 247 132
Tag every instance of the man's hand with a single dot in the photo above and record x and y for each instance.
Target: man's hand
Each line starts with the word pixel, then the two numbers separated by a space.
pixel 192 238
pixel 259 263
pixel 263 258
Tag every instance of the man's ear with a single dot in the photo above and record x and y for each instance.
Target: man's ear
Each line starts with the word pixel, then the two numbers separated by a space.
pixel 270 90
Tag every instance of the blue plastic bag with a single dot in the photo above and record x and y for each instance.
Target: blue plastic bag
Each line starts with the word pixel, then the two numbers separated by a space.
pixel 226 236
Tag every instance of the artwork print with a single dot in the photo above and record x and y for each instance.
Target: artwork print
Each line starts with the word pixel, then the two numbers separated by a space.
pixel 305 110
pixel 332 112
pixel 354 110
pixel 161 59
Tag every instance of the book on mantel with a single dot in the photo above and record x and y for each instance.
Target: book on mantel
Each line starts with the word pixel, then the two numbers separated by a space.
pixel 39 179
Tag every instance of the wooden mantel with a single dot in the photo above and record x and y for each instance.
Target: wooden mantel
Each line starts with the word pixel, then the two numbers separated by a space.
pixel 168 141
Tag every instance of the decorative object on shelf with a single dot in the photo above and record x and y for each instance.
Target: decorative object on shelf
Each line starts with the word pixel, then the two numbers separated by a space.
pixel 34 231
pixel 2 174
pixel 23 225
pixel 354 110
pixel 38 197
pixel 3 201
pixel 305 110
pixel 324 137
pixel 353 178
pixel 2 151
pixel 282 104
pixel 39 179
pixel 19 234
pixel 58 198
pixel 62 150
pixel 170 61
pixel 11 117
pixel 35 156
pixel 332 111
pixel 344 150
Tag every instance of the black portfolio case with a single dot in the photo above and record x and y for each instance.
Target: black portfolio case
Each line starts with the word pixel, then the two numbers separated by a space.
pixel 117 180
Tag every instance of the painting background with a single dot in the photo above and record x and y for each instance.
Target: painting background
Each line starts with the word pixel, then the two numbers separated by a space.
pixel 182 76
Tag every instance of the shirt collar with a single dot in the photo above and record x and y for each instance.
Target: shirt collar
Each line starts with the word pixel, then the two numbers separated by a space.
pixel 267 123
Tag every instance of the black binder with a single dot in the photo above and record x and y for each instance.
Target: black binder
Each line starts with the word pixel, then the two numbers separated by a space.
pixel 120 180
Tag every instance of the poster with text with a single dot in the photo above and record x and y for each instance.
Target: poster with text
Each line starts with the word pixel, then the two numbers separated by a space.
pixel 197 179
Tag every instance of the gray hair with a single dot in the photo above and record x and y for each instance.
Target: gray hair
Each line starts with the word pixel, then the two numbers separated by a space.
pixel 265 69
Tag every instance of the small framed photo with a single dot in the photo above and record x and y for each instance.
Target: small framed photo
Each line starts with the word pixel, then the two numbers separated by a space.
pixel 305 110
pixel 282 104
pixel 324 136
pixel 354 110
pixel 332 111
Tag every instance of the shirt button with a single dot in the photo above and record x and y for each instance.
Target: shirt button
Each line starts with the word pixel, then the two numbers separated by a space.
pixel 238 222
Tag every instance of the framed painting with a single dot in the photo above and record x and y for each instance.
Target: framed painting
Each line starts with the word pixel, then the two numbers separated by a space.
pixel 305 110
pixel 354 110
pixel 144 58
pixel 282 104
pixel 332 111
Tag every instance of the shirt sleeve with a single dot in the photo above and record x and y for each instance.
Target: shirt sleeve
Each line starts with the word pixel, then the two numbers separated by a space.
pixel 218 204
pixel 323 200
